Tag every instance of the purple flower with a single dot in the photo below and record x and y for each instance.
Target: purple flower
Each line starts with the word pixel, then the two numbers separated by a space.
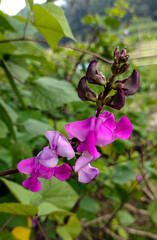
pixel 32 167
pixel 139 178
pixel 85 172
pixel 59 147
pixel 98 132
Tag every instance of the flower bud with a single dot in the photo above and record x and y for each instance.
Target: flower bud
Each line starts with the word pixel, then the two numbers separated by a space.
pixel 124 68
pixel 93 75
pixel 117 101
pixel 116 55
pixel 115 68
pixel 130 84
pixel 84 92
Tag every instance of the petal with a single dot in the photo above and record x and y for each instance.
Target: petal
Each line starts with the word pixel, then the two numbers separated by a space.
pixel 123 128
pixel 117 101
pixel 89 145
pixel 104 134
pixel 62 172
pixel 84 92
pixel 83 161
pixel 64 148
pixel 27 166
pixel 87 173
pixel 44 172
pixel 47 157
pixel 108 120
pixel 52 136
pixel 80 129
pixel 32 183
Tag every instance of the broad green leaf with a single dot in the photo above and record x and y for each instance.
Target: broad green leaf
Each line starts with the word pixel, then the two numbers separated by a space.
pixel 58 13
pixel 6 47
pixel 112 22
pixel 59 194
pixel 36 128
pixel 152 209
pixel 17 71
pixel 5 235
pixel 29 3
pixel 46 208
pixel 89 204
pixel 5 117
pixel 12 114
pixel 122 174
pixel 123 233
pixel 49 93
pixel 18 209
pixel 21 194
pixel 71 229
pixel 5 25
pixel 48 25
pixel 125 218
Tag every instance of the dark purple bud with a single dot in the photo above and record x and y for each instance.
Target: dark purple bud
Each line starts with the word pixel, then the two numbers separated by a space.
pixel 130 84
pixel 123 56
pixel 116 55
pixel 93 75
pixel 123 52
pixel 124 68
pixel 117 101
pixel 84 92
pixel 115 68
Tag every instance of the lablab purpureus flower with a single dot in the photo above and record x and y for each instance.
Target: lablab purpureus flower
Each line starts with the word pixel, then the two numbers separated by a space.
pixel 32 167
pixel 85 172
pixel 98 132
pixel 60 146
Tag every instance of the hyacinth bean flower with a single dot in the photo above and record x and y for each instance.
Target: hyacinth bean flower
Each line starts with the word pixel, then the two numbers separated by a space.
pixel 32 167
pixel 59 147
pixel 85 172
pixel 98 132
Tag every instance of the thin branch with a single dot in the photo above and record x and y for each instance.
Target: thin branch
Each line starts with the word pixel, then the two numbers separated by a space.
pixel 141 233
pixel 112 234
pixel 97 220
pixel 42 230
pixel 8 172
pixel 6 223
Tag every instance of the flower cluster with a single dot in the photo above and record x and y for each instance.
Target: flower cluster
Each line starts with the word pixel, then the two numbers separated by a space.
pixel 88 134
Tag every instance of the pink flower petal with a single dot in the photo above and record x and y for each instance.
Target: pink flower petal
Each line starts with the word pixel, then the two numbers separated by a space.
pixel 80 129
pixel 52 136
pixel 64 148
pixel 32 183
pixel 83 161
pixel 104 135
pixel 44 172
pixel 87 173
pixel 123 128
pixel 27 166
pixel 108 120
pixel 89 145
pixel 47 157
pixel 62 172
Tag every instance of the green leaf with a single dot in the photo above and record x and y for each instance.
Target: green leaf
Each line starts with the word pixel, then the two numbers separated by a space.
pixel 5 25
pixel 36 128
pixel 49 93
pixel 71 230
pixel 125 218
pixel 122 174
pixel 17 71
pixel 6 235
pixel 152 209
pixel 46 208
pixel 4 115
pixel 112 22
pixel 89 204
pixel 48 25
pixel 6 47
pixel 29 3
pixel 59 194
pixel 18 209
pixel 21 194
